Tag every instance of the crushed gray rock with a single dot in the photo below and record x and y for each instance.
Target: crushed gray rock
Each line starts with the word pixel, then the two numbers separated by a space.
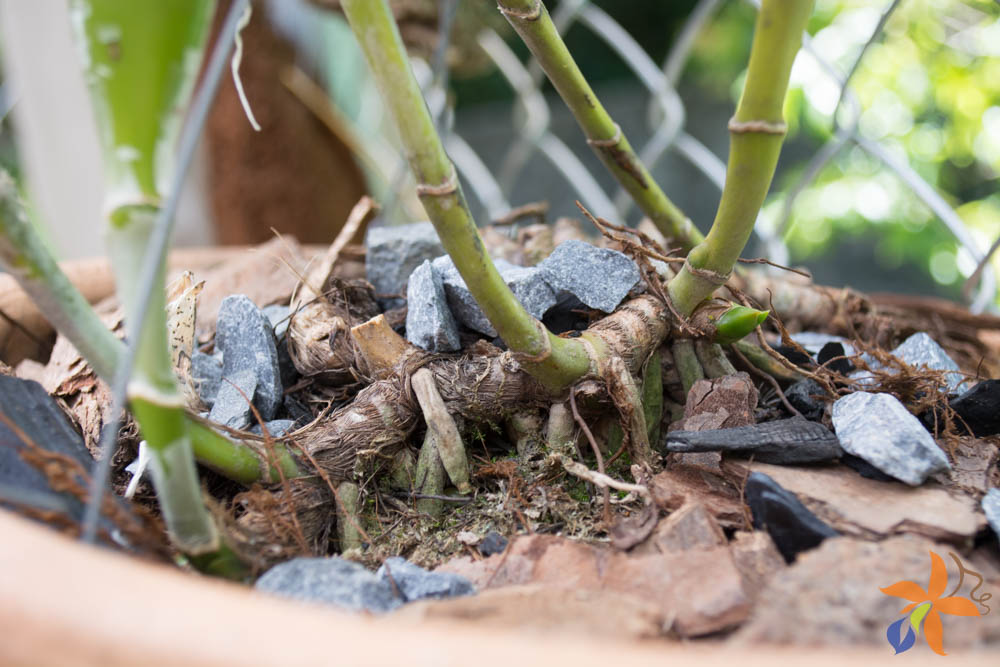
pixel 231 407
pixel 527 283
pixel 599 277
pixel 416 583
pixel 463 307
pixel 783 441
pixel 275 428
pixel 429 323
pixel 246 340
pixel 921 351
pixel 393 252
pixel 206 371
pixel 278 316
pixel 991 508
pixel 878 429
pixel 333 581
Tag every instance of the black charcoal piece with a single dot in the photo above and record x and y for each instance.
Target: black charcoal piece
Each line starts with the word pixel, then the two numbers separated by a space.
pixel 979 408
pixel 493 543
pixel 794 356
pixel 784 441
pixel 865 469
pixel 833 356
pixel 793 528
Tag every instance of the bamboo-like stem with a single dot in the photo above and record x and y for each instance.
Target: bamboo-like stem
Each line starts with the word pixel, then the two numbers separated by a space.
pixel 25 257
pixel 555 361
pixel 154 48
pixel 156 402
pixel 532 22
pixel 757 131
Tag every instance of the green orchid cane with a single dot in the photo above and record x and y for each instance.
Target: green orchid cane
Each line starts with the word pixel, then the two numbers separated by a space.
pixel 757 131
pixel 141 61
pixel 534 25
pixel 553 360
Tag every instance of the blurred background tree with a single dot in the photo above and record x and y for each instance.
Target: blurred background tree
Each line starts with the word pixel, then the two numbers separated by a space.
pixel 928 91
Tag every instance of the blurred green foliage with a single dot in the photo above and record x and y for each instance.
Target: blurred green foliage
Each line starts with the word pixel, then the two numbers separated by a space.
pixel 928 91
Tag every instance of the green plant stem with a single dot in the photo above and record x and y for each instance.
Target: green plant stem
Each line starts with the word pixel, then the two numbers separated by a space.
pixel 532 22
pixel 152 390
pixel 756 134
pixel 25 257
pixel 555 361
pixel 141 61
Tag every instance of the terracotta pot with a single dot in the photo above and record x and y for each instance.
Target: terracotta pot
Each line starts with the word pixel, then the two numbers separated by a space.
pixel 64 603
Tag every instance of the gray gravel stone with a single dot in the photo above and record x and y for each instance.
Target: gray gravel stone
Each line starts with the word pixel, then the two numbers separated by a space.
pixel 429 323
pixel 333 581
pixel 991 507
pixel 878 429
pixel 416 583
pixel 246 340
pixel 278 316
pixel 599 277
pixel 921 351
pixel 206 370
pixel 276 427
pixel 527 283
pixel 460 301
pixel 231 408
pixel 529 286
pixel 394 251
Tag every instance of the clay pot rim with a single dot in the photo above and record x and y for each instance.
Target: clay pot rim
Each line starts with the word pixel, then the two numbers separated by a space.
pixel 107 608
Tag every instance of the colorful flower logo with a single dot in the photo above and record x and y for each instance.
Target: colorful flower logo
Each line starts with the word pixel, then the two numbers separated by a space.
pixel 927 606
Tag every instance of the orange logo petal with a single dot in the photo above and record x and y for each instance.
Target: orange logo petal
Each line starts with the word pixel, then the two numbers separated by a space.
pixel 956 606
pixel 907 590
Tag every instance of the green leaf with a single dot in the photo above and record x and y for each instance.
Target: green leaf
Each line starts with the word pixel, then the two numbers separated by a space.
pixel 737 322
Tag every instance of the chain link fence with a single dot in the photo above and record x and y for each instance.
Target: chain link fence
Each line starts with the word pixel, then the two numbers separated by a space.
pixel 666 118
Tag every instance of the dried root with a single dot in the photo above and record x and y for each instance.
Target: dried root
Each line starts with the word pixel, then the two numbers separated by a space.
pixel 277 526
pixel 447 439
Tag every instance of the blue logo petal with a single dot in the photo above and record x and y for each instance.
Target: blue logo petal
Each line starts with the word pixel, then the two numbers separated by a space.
pixel 893 635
